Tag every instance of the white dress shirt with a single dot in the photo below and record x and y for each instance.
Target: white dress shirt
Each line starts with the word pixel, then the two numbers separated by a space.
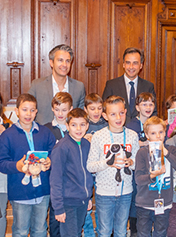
pixel 56 88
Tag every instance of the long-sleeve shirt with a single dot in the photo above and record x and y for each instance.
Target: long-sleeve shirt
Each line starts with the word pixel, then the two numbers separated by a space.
pixel 147 191
pixel 71 183
pixel 97 163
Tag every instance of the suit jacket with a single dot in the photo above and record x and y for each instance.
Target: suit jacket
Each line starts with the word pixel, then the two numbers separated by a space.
pixel 117 87
pixel 42 90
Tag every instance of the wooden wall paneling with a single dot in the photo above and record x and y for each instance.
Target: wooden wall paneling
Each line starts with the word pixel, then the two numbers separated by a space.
pixel 81 42
pixel 26 45
pixel 129 28
pixel 103 71
pixel 153 50
pixel 4 73
pixel 168 68
pixel 54 23
pixel 166 55
pixel 93 44
pixel 15 43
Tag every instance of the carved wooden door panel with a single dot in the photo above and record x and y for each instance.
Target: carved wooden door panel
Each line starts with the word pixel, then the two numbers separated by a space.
pixel 54 23
pixel 15 49
pixel 167 65
pixel 129 28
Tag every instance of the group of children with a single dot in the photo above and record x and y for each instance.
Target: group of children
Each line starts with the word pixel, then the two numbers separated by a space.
pixel 83 146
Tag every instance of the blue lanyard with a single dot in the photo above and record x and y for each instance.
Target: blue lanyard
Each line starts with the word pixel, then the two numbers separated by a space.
pixel 61 131
pixel 30 140
pixel 124 144
pixel 160 182
pixel 124 137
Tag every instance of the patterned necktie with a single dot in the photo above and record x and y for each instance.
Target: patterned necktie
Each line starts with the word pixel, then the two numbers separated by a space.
pixel 132 96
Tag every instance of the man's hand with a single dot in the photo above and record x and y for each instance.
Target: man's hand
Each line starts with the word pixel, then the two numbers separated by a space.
pixel 20 164
pixel 61 218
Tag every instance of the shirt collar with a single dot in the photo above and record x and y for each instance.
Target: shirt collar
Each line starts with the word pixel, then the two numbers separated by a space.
pixel 127 80
pixel 1 120
pixel 56 124
pixel 34 126
pixel 56 85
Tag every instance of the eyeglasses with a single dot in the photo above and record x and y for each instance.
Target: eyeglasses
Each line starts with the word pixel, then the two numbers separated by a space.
pixel 147 105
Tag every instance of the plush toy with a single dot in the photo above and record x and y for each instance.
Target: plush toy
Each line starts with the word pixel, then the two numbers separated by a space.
pixel 115 151
pixel 34 166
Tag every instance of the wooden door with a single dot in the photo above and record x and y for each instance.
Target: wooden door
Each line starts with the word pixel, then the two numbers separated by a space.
pixel 166 58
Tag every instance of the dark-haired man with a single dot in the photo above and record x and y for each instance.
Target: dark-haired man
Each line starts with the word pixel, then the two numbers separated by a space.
pixel 133 60
pixel 43 89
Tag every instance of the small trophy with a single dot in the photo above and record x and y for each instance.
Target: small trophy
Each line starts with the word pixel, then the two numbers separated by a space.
pixel 156 159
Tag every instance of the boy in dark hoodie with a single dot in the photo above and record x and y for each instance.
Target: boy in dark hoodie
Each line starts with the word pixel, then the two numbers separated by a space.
pixel 93 105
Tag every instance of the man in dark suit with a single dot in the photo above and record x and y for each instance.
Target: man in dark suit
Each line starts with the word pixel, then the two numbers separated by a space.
pixel 43 89
pixel 133 60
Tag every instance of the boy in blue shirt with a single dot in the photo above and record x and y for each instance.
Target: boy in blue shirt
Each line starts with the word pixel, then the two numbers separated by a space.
pixel 29 203
pixel 71 183
pixel 61 105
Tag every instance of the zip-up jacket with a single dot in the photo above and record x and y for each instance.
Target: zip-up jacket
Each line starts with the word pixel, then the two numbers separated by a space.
pixel 13 146
pixel 71 183
pixel 147 190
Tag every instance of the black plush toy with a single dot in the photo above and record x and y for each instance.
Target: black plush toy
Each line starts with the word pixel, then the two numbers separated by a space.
pixel 114 150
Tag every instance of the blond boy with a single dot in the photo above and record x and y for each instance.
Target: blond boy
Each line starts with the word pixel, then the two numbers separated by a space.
pixel 154 186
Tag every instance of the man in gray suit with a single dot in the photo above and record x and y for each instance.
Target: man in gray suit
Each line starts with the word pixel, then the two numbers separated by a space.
pixel 43 89
pixel 133 60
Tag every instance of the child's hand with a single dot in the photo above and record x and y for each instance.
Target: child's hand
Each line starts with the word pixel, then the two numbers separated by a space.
pixel 88 136
pixel 61 217
pixel 2 128
pixel 143 143
pixel 155 173
pixel 166 122
pixel 118 162
pixel 165 151
pixel 20 164
pixel 128 162
pixel 47 163
pixel 89 205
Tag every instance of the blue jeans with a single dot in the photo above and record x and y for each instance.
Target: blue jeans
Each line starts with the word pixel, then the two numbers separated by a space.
pixel 113 213
pixel 30 217
pixel 53 223
pixel 75 217
pixel 145 218
pixel 3 205
pixel 88 225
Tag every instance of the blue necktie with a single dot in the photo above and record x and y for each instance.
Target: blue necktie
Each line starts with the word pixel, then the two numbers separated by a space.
pixel 132 96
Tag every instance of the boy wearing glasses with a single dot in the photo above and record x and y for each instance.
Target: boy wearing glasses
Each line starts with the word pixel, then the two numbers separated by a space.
pixel 145 104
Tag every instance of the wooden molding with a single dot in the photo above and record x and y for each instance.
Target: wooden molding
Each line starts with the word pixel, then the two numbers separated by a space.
pixel 15 64
pixel 93 65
